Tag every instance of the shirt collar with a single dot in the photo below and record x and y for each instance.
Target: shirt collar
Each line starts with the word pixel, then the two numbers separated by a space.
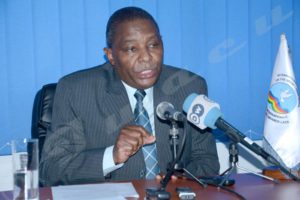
pixel 131 90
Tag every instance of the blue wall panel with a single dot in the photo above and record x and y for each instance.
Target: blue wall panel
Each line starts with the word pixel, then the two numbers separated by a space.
pixel 4 87
pixel 20 66
pixel 95 31
pixel 169 19
pixel 192 51
pixel 215 43
pixel 46 41
pixel 294 44
pixel 72 30
pixel 259 61
pixel 233 44
pixel 237 52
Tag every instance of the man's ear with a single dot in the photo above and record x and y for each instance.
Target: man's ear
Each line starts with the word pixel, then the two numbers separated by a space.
pixel 108 53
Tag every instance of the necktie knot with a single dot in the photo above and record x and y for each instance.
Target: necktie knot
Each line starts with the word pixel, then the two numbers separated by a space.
pixel 139 95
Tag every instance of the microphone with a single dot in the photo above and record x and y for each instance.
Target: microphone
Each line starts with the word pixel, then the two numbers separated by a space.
pixel 166 111
pixel 203 113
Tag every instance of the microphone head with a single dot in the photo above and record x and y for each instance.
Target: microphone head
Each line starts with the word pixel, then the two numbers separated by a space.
pixel 162 108
pixel 201 111
pixel 188 102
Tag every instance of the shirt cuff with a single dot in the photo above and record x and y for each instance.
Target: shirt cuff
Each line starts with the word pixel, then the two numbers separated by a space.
pixel 108 161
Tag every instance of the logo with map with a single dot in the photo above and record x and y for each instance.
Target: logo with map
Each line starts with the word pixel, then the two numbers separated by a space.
pixel 282 98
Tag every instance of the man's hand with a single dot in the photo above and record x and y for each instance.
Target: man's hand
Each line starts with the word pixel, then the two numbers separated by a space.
pixel 131 138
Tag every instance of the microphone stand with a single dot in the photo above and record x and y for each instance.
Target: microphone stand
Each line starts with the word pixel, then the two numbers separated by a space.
pixel 174 143
pixel 236 136
pixel 175 165
pixel 234 158
pixel 161 193
pixel 174 138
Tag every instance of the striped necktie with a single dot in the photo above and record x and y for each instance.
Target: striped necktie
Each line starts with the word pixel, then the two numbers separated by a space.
pixel 149 151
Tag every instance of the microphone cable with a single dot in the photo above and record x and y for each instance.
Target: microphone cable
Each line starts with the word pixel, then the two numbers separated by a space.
pixel 207 182
pixel 228 190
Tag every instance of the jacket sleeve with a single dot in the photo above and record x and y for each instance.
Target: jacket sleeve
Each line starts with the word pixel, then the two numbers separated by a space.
pixel 65 156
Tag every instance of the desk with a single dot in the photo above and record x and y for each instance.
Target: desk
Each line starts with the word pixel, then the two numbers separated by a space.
pixel 250 186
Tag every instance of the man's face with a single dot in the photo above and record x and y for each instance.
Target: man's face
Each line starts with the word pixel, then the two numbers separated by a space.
pixel 136 53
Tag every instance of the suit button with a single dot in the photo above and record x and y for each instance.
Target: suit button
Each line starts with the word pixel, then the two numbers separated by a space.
pixel 142 173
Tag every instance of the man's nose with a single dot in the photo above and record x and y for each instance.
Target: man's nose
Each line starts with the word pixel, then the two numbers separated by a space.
pixel 145 55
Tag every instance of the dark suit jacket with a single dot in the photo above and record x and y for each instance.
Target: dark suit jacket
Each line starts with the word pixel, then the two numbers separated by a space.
pixel 92 105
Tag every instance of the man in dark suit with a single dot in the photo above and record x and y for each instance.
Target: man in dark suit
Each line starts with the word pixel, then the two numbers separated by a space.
pixel 96 134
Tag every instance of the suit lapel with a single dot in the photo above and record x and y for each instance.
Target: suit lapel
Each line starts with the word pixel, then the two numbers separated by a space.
pixel 118 110
pixel 115 102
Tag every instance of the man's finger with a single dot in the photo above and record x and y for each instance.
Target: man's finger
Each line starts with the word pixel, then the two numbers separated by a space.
pixel 159 177
pixel 149 139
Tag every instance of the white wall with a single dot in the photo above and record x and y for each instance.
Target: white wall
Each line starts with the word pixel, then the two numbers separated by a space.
pixel 6 175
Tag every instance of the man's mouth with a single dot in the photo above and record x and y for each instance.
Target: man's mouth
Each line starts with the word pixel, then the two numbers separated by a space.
pixel 145 74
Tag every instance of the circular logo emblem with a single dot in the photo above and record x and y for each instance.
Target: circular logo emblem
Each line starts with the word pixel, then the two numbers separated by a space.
pixel 197 112
pixel 282 98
